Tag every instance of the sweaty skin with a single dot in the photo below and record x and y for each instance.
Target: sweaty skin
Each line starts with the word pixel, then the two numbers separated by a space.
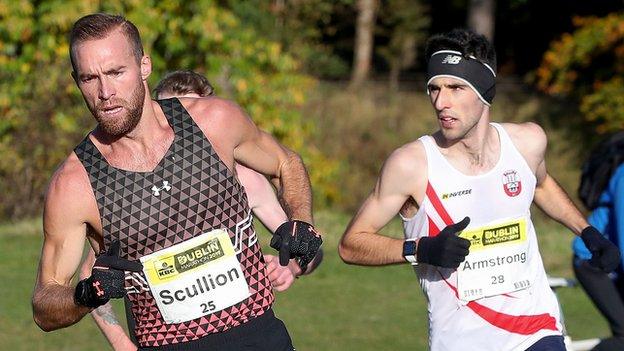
pixel 265 205
pixel 109 77
pixel 472 146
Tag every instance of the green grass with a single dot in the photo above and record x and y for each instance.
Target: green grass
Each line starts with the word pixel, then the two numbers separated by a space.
pixel 339 307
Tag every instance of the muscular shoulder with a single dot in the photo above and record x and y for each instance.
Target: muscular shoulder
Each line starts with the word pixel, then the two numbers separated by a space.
pixel 222 121
pixel 407 158
pixel 70 177
pixel 530 140
pixel 69 197
pixel 406 168
pixel 210 111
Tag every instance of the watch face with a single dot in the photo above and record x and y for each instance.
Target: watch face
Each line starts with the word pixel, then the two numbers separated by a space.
pixel 409 248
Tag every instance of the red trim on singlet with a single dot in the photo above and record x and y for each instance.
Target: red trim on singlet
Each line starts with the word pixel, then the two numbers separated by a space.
pixel 525 325
pixel 437 205
pixel 433 228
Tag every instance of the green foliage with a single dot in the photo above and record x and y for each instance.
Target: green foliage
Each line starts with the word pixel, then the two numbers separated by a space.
pixel 299 26
pixel 43 115
pixel 588 64
pixel 404 23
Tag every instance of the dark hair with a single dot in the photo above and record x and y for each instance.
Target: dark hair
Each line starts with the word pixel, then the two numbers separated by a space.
pixel 598 169
pixel 98 26
pixel 465 41
pixel 184 82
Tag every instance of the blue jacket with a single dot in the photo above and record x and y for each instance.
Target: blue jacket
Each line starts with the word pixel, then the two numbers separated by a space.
pixel 608 218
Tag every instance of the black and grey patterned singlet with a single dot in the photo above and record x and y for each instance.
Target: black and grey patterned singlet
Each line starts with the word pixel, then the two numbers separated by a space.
pixel 190 192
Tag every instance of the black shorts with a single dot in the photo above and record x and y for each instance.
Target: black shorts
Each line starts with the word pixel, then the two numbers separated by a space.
pixel 264 333
pixel 549 343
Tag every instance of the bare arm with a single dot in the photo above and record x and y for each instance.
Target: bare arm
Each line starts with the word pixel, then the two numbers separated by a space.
pixel 104 316
pixel 261 152
pixel 262 198
pixel 64 225
pixel 550 197
pixel 401 177
pixel 266 207
pixel 553 200
pixel 238 140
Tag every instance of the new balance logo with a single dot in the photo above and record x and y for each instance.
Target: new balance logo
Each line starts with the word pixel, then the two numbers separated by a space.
pixel 452 59
pixel 165 187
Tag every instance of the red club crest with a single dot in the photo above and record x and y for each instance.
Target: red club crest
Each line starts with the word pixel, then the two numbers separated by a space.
pixel 511 183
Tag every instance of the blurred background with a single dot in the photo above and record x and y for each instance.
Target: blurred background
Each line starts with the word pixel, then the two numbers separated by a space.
pixel 339 81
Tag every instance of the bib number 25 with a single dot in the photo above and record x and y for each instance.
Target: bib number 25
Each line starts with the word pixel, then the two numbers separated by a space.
pixel 208 307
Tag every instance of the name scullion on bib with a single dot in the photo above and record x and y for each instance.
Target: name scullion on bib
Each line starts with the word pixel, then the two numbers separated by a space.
pixel 196 277
pixel 497 262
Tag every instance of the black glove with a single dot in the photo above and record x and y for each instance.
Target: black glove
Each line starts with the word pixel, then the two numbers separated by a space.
pixel 106 280
pixel 445 249
pixel 605 255
pixel 296 239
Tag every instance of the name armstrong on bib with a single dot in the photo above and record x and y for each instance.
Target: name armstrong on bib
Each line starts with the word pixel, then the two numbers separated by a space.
pixel 495 261
pixel 493 236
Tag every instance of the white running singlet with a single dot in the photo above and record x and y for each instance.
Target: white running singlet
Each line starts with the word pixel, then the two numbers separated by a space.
pixel 499 297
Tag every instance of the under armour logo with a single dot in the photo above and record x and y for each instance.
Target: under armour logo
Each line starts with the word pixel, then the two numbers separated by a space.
pixel 452 59
pixel 98 290
pixel 156 190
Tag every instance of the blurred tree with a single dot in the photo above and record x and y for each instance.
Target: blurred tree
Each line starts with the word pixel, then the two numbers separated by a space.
pixel 300 27
pixel 405 24
pixel 588 65
pixel 481 17
pixel 364 37
pixel 43 115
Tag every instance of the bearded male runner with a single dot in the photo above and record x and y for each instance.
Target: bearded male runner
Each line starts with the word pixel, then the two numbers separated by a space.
pixel 152 188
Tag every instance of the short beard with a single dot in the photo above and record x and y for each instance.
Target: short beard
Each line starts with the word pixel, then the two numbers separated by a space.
pixel 121 126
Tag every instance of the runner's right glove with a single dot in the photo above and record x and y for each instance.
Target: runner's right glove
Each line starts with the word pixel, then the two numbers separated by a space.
pixel 298 240
pixel 106 280
pixel 605 255
pixel 445 249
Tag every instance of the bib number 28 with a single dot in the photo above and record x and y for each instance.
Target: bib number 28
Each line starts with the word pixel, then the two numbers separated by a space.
pixel 497 279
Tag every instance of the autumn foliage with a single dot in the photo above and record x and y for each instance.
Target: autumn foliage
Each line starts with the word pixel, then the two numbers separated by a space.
pixel 588 65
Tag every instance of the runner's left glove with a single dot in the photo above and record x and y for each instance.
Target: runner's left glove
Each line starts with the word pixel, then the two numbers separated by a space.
pixel 605 255
pixel 298 240
pixel 107 279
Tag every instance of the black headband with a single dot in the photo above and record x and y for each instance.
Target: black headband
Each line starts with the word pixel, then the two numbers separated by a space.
pixel 478 75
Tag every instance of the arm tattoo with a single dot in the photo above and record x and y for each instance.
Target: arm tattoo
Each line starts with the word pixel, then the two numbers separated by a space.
pixel 107 314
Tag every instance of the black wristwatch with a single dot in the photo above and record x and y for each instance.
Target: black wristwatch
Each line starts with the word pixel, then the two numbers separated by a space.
pixel 80 293
pixel 409 251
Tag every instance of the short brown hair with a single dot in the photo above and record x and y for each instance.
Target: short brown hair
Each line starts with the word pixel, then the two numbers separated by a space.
pixel 98 26
pixel 184 82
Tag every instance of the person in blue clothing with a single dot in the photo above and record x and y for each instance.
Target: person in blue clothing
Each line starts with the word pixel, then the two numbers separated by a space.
pixel 602 192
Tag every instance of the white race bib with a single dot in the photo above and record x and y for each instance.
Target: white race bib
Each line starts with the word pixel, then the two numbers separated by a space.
pixel 497 262
pixel 195 278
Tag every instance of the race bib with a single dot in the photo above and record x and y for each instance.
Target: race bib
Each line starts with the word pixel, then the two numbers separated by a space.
pixel 195 278
pixel 497 262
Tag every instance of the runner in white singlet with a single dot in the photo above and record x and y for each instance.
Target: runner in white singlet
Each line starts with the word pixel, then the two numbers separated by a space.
pixel 464 194
pixel 509 257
